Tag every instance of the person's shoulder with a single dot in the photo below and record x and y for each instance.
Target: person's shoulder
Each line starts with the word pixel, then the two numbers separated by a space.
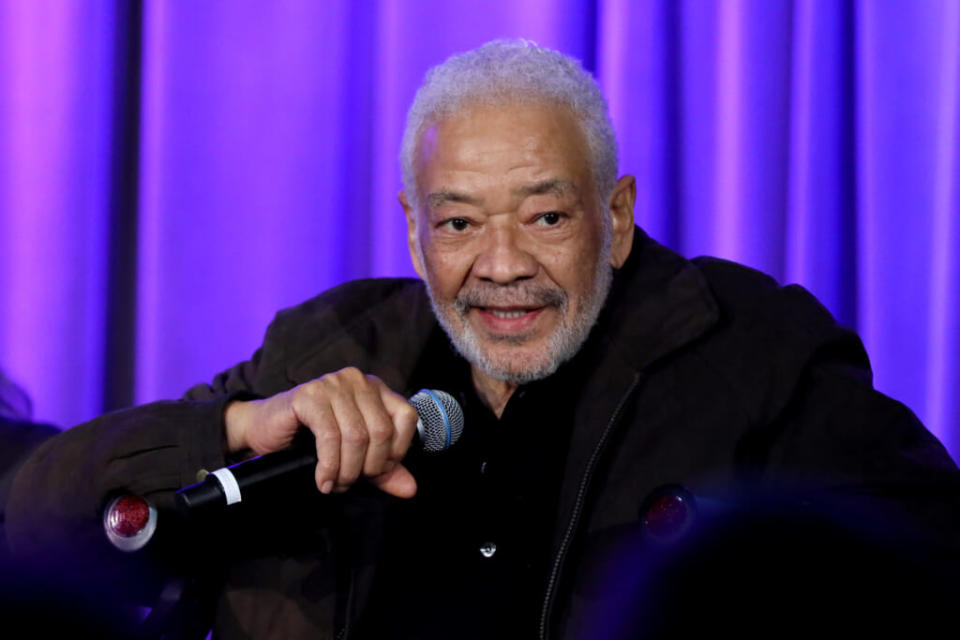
pixel 755 301
pixel 768 336
pixel 357 298
pixel 376 324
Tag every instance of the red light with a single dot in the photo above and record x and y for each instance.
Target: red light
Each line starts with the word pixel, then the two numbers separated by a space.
pixel 128 516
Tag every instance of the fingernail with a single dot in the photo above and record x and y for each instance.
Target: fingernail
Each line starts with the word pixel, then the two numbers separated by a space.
pixel 327 487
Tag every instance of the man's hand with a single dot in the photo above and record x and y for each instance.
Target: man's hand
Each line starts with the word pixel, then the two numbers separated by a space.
pixel 361 427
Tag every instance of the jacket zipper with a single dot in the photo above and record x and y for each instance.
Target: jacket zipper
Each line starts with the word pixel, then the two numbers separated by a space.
pixel 565 543
pixel 345 629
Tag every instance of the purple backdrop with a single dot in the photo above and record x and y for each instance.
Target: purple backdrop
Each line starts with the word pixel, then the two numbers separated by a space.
pixel 172 175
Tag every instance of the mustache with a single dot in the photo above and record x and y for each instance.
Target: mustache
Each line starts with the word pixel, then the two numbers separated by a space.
pixel 511 295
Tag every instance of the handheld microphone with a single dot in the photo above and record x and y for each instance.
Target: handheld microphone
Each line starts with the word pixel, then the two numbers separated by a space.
pixel 439 426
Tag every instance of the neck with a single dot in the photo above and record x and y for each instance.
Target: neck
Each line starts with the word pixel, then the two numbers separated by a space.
pixel 494 393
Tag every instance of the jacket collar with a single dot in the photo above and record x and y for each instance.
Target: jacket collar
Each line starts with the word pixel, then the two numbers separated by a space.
pixel 659 303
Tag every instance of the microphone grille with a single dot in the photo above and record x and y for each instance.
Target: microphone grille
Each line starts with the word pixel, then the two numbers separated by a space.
pixel 441 419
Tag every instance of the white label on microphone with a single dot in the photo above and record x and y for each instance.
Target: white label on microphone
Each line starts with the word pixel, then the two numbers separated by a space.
pixel 229 485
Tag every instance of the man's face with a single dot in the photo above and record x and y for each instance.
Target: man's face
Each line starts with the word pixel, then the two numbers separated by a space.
pixel 510 236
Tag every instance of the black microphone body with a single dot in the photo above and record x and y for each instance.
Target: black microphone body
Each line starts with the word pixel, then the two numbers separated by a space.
pixel 439 426
pixel 252 477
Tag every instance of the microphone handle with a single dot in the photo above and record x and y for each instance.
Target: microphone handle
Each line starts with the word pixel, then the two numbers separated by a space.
pixel 230 485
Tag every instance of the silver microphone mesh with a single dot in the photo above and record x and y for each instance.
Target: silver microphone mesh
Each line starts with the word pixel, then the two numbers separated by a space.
pixel 441 419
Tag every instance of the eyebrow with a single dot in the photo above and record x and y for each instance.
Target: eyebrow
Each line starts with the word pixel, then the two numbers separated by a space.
pixel 442 197
pixel 556 186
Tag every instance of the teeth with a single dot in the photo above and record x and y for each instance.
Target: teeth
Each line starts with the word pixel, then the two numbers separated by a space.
pixel 507 314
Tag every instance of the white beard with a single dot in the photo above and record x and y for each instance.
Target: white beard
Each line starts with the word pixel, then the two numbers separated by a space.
pixel 564 342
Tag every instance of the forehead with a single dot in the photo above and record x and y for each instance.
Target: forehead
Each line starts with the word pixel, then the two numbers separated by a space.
pixel 505 146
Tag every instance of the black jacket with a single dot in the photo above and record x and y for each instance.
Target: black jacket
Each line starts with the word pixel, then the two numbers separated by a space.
pixel 700 373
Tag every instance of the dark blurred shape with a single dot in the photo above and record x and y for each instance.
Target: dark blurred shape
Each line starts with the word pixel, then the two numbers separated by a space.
pixel 18 438
pixel 38 607
pixel 763 567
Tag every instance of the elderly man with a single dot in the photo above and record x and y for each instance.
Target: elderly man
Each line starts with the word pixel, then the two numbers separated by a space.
pixel 593 366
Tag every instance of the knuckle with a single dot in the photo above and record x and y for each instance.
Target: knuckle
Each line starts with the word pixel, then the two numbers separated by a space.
pixel 307 393
pixel 356 437
pixel 327 437
pixel 351 375
pixel 408 414
pixel 326 469
pixel 381 432
pixel 348 476
pixel 329 384
pixel 299 403
pixel 341 381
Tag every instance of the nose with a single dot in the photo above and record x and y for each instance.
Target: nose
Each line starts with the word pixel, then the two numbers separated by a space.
pixel 504 258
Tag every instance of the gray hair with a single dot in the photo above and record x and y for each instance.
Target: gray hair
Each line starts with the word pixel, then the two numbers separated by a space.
pixel 512 71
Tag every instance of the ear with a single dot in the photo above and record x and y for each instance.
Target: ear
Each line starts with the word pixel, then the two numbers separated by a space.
pixel 621 219
pixel 411 234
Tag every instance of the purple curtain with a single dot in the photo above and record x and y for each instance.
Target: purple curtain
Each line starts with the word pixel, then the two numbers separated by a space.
pixel 172 173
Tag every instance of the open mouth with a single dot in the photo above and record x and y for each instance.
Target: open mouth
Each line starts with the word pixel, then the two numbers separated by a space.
pixel 506 320
pixel 509 313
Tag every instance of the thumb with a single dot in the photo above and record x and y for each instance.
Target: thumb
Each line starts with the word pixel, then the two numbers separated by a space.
pixel 397 482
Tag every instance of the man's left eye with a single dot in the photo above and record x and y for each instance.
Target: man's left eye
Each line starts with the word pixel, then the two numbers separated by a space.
pixel 456 224
pixel 549 218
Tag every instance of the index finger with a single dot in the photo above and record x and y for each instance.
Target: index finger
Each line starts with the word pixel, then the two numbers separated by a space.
pixel 404 418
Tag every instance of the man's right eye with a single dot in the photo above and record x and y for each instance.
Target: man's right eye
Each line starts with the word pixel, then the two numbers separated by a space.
pixel 456 224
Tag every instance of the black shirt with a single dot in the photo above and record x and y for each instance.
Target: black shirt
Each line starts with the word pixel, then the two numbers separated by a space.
pixel 468 556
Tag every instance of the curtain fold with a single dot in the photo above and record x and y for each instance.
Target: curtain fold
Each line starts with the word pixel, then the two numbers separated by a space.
pixel 172 173
pixel 56 137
